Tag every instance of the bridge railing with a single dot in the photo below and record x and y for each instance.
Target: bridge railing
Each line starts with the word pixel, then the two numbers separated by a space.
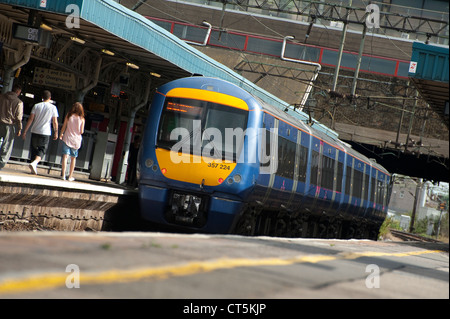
pixel 273 47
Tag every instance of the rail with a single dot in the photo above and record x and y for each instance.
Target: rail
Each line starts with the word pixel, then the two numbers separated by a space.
pixel 411 237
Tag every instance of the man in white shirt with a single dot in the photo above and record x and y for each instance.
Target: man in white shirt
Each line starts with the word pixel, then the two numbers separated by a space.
pixel 43 116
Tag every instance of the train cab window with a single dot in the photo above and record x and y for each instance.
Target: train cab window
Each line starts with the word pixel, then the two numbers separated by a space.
pixel 231 126
pixel 192 117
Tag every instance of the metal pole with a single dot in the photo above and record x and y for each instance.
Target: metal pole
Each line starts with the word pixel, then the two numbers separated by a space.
pixel 341 49
pixel 123 164
pixel 411 119
pixel 401 117
pixel 358 65
pixel 413 217
pixel 439 224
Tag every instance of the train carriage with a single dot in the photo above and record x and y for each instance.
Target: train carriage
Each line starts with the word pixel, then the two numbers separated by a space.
pixel 216 159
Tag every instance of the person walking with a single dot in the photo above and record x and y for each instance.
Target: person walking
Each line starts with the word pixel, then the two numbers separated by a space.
pixel 132 161
pixel 71 135
pixel 11 113
pixel 43 116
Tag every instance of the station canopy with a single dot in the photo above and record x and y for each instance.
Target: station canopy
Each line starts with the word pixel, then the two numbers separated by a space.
pixel 429 71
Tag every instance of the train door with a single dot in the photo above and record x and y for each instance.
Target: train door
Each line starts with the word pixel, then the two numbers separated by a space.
pixel 284 178
pixel 326 191
pixel 366 190
pixel 348 183
pixel 383 189
pixel 313 190
pixel 339 178
pixel 302 160
pixel 268 159
pixel 293 203
pixel 357 188
pixel 373 193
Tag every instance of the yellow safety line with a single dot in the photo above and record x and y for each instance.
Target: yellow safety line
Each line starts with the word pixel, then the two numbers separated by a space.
pixel 54 280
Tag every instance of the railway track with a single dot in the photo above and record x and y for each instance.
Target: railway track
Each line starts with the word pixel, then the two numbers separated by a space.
pixel 411 237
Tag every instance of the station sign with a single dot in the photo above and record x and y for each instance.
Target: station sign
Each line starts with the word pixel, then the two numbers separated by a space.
pixel 32 35
pixel 26 33
pixel 54 78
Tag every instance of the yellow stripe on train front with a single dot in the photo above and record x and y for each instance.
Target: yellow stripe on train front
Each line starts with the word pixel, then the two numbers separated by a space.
pixel 211 96
pixel 192 168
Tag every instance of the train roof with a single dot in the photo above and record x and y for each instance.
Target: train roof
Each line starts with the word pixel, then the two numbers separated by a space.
pixel 337 143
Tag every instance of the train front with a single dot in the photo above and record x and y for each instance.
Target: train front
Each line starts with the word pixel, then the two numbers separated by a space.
pixel 196 164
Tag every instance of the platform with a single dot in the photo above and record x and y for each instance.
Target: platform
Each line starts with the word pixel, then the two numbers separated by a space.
pixel 152 265
pixel 58 204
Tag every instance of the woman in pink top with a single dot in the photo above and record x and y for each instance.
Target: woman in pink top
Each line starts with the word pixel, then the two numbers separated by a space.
pixel 71 132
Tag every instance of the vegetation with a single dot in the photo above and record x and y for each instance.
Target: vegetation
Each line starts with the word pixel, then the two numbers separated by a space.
pixel 421 227
pixel 389 222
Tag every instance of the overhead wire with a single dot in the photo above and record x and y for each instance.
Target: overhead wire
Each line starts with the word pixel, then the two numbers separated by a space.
pixel 321 88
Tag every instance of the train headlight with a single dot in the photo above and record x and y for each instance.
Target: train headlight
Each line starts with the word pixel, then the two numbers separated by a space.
pixel 148 162
pixel 237 178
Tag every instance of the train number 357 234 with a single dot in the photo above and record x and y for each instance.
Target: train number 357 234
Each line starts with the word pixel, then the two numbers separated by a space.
pixel 219 166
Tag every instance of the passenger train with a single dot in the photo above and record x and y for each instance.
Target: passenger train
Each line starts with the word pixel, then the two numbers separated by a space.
pixel 216 159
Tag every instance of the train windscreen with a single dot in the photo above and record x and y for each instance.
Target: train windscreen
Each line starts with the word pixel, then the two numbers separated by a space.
pixel 202 128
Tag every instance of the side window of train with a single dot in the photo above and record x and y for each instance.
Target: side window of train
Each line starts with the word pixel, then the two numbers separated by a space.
pixel 314 167
pixel 303 163
pixel 328 164
pixel 357 180
pixel 286 157
pixel 374 185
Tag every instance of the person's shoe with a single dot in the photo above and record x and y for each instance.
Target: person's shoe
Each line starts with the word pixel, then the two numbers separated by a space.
pixel 33 169
pixel 71 179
